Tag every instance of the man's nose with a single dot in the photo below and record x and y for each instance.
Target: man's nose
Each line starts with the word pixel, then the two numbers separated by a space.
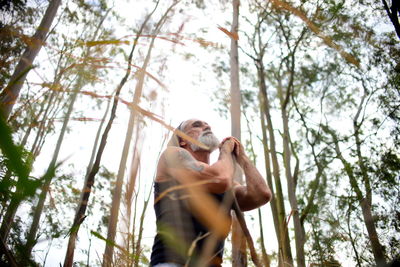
pixel 207 128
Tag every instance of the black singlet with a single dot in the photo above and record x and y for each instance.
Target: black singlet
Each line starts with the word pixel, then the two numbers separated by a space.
pixel 177 228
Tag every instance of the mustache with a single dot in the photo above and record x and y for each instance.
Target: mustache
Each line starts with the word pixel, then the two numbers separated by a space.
pixel 207 132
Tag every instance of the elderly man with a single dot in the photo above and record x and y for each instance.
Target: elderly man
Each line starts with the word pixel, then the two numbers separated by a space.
pixel 186 182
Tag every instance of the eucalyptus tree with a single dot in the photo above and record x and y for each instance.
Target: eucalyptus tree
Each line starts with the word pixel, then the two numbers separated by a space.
pixel 16 20
pixel 43 107
pixel 80 83
pixel 90 178
pixel 393 13
pixel 288 73
pixel 10 93
pixel 238 239
pixel 349 92
pixel 108 253
pixel 258 47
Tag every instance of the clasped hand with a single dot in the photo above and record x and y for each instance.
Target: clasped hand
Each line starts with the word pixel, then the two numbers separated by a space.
pixel 232 145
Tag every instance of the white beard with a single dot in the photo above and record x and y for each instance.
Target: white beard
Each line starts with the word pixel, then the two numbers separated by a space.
pixel 209 139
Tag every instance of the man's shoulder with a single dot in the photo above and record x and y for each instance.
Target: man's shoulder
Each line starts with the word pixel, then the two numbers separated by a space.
pixel 173 151
pixel 177 157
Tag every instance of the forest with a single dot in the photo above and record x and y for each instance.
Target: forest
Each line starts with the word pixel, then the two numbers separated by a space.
pixel 91 91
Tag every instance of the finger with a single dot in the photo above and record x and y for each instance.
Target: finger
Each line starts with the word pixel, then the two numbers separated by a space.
pixel 224 140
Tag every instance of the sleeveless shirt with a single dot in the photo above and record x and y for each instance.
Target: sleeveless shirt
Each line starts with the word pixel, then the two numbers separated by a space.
pixel 180 236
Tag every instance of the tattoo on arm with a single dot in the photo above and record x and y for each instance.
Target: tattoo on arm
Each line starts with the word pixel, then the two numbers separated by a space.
pixel 188 161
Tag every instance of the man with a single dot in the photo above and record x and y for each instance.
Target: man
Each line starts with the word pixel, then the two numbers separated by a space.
pixel 191 195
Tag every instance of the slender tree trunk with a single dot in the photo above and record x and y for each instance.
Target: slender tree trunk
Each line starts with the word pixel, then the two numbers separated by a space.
pixel 97 138
pixel 8 219
pixel 89 181
pixel 31 237
pixel 116 200
pixel 42 123
pixel 138 245
pixel 135 167
pixel 364 202
pixel 268 168
pixel 352 240
pixel 239 257
pixel 285 254
pixel 393 13
pixel 112 225
pixel 376 246
pixel 265 257
pixel 80 214
pixel 298 230
pixel 11 92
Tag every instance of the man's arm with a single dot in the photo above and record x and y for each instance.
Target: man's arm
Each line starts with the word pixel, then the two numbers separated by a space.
pixel 217 178
pixel 256 192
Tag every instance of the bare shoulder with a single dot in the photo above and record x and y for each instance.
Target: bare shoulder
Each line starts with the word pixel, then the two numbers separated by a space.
pixel 177 157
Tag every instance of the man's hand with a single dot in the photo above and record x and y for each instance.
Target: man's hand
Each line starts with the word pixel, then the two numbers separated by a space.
pixel 228 145
pixel 256 191
pixel 238 149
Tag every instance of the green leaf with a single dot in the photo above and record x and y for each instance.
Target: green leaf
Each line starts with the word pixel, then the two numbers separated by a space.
pixel 12 152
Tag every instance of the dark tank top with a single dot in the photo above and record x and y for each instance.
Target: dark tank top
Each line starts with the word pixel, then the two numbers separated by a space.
pixel 179 233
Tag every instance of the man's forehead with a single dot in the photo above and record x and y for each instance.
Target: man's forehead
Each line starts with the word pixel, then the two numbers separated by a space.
pixel 189 122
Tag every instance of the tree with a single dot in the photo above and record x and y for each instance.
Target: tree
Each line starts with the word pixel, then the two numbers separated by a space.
pixel 10 93
pixel 80 83
pixel 107 256
pixel 239 257
pixel 393 13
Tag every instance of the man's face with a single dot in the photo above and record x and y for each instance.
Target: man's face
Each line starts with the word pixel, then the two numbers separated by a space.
pixel 201 131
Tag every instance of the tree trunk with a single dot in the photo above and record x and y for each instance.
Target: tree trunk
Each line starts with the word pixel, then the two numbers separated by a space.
pixel 80 214
pixel 298 230
pixel 393 12
pixel 112 225
pixel 265 258
pixel 31 237
pixel 365 203
pixel 8 219
pixel 273 201
pixel 239 257
pixel 285 254
pixel 116 200
pixel 291 184
pixel 10 94
pixel 89 181
pixel 376 246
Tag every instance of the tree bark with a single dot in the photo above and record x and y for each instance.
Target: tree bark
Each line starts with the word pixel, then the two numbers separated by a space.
pixel 112 225
pixel 31 237
pixel 10 94
pixel 267 159
pixel 393 14
pixel 364 202
pixel 285 254
pixel 239 257
pixel 291 184
pixel 298 230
